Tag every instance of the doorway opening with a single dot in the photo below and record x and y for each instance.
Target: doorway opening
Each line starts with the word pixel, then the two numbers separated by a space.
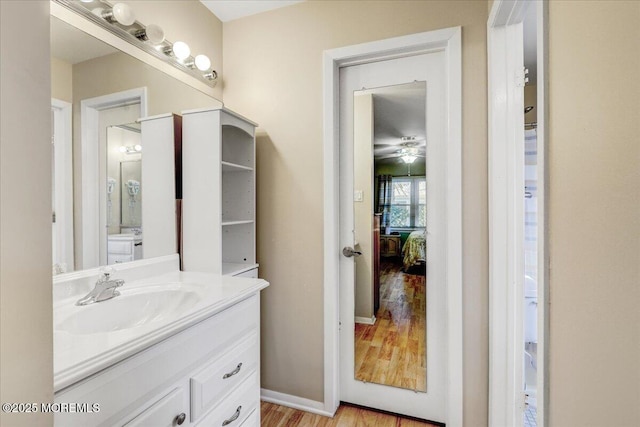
pixel 518 267
pixel 94 119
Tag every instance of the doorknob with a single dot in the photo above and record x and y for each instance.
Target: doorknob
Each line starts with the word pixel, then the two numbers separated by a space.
pixel 349 252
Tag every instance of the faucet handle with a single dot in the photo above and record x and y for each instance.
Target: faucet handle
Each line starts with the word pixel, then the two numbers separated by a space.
pixel 106 272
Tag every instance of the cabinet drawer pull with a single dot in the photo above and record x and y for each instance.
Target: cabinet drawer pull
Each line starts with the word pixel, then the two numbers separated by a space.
pixel 179 420
pixel 232 373
pixel 233 418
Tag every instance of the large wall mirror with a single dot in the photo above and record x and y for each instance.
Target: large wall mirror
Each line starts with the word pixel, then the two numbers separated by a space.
pixel 390 211
pixel 99 95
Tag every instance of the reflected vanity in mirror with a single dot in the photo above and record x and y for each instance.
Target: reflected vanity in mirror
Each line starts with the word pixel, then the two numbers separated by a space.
pixel 390 205
pixel 116 180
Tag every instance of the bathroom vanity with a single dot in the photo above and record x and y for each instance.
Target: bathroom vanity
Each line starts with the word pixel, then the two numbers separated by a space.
pixel 175 348
pixel 123 247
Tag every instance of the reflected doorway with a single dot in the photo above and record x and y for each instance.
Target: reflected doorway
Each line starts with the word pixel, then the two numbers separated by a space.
pixel 390 208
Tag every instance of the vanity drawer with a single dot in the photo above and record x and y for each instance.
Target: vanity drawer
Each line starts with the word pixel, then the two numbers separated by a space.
pixel 236 408
pixel 253 420
pixel 123 248
pixel 163 413
pixel 117 259
pixel 210 385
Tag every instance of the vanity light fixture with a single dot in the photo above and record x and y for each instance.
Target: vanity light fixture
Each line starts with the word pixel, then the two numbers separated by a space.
pixel 150 38
pixel 130 149
pixel 120 13
pixel 211 75
pixel 152 34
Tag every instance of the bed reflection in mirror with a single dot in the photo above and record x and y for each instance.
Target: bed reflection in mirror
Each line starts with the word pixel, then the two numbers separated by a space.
pixel 390 221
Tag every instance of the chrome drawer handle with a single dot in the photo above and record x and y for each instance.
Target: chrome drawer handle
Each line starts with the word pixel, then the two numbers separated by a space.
pixel 232 373
pixel 232 419
pixel 179 420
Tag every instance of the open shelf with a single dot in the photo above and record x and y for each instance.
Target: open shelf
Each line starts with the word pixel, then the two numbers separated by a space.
pixel 221 185
pixel 238 195
pixel 238 243
pixel 233 167
pixel 239 222
pixel 237 146
pixel 232 268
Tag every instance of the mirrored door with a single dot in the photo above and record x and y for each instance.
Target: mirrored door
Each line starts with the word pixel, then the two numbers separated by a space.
pixel 390 219
pixel 393 340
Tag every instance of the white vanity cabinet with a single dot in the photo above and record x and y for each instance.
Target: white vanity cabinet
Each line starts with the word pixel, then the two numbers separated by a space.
pixel 123 248
pixel 205 375
pixel 219 193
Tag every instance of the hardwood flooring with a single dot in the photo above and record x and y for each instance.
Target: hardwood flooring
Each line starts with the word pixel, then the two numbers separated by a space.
pixel 346 416
pixel 393 350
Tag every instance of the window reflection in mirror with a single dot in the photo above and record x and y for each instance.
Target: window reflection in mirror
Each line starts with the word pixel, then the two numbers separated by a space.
pixel 390 223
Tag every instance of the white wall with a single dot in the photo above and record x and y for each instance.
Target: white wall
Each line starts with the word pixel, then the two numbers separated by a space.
pixel 26 334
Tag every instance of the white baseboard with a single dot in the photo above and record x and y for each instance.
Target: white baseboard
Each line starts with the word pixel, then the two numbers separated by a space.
pixel 294 402
pixel 366 320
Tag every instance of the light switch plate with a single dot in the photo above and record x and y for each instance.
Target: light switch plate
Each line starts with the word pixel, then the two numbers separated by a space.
pixel 358 195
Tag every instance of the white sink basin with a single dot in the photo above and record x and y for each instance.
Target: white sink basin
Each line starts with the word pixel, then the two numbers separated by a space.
pixel 130 310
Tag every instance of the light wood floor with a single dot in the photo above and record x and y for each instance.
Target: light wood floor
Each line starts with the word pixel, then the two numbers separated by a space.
pixel 347 416
pixel 393 350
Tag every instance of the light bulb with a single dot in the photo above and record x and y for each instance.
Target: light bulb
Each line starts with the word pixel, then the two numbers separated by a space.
pixel 122 149
pixel 123 14
pixel 181 50
pixel 138 147
pixel 203 63
pixel 152 34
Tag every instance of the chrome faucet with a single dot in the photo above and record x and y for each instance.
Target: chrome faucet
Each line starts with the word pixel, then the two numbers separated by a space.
pixel 104 289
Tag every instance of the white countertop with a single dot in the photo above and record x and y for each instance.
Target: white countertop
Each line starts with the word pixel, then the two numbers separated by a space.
pixel 124 236
pixel 77 356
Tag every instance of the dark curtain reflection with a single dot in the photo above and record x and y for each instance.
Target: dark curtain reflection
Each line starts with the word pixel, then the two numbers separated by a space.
pixel 383 202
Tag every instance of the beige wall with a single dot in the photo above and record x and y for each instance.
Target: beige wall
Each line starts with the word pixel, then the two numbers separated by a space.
pixel 273 69
pixel 363 211
pixel 26 334
pixel 61 80
pixel 594 209
pixel 531 98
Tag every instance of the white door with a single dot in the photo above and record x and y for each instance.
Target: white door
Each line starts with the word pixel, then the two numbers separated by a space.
pixel 429 68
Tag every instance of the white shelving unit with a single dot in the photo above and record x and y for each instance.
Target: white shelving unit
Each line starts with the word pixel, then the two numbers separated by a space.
pixel 219 192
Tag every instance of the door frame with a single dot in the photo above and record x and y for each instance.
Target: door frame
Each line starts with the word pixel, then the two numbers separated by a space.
pixel 448 40
pixel 63 179
pixel 506 214
pixel 92 192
